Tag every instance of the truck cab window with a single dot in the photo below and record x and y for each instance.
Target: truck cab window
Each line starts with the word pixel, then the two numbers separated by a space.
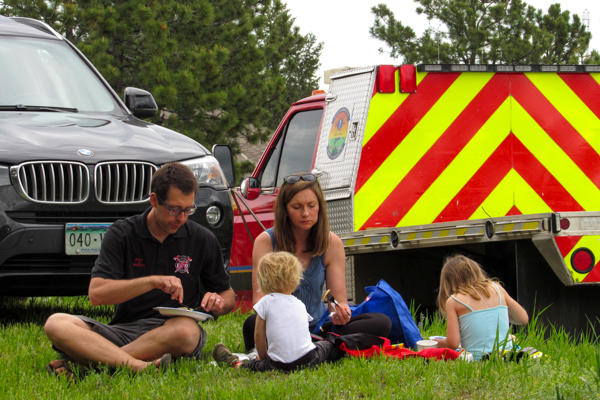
pixel 295 148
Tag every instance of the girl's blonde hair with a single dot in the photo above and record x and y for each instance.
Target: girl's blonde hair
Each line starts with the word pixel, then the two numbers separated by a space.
pixel 318 237
pixel 460 274
pixel 278 272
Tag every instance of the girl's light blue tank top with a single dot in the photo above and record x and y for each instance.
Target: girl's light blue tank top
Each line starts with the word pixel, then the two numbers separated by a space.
pixel 481 330
pixel 310 289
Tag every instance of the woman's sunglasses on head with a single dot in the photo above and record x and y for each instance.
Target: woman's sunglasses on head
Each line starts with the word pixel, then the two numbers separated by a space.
pixel 291 179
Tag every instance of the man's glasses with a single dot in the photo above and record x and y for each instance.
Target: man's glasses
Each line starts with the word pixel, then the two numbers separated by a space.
pixel 175 211
pixel 291 179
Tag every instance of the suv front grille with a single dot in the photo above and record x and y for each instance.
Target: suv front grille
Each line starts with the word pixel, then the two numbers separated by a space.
pixel 123 182
pixel 61 182
pixel 67 182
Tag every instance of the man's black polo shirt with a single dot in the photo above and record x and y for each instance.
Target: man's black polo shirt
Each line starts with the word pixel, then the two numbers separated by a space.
pixel 192 253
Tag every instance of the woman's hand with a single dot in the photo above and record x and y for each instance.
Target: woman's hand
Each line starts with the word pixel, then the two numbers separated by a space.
pixel 341 315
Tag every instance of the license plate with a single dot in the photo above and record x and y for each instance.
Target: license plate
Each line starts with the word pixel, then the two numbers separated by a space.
pixel 84 238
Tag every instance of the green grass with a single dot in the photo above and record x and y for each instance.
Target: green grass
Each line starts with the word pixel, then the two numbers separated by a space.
pixel 569 370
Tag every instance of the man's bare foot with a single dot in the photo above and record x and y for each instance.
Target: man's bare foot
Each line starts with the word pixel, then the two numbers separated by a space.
pixel 60 368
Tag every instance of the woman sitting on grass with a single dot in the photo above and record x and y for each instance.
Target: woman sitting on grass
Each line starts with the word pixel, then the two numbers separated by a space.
pixel 281 333
pixel 478 309
pixel 301 227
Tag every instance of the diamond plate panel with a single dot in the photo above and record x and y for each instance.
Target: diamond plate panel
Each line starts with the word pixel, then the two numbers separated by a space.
pixel 338 211
pixel 340 220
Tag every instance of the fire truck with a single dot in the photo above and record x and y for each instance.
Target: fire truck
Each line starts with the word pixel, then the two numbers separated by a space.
pixel 497 162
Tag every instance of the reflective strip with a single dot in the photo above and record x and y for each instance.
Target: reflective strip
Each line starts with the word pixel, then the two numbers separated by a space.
pixel 240 269
pixel 460 232
pixel 416 143
pixel 366 240
pixel 519 226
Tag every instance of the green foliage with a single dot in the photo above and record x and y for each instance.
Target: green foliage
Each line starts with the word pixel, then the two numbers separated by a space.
pixel 569 369
pixel 487 32
pixel 218 68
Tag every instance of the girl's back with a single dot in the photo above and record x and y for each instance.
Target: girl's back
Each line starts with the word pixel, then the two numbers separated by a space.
pixel 483 323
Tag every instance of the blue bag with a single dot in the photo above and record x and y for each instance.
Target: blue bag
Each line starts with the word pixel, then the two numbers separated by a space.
pixel 382 298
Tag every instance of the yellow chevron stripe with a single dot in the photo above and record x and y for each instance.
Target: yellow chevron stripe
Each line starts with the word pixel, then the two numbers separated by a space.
pixel 569 105
pixel 461 169
pixel 382 106
pixel 596 76
pixel 416 143
pixel 512 190
pixel 592 242
pixel 551 156
pixel 421 76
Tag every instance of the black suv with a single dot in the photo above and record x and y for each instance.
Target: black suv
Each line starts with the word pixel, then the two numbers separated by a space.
pixel 74 158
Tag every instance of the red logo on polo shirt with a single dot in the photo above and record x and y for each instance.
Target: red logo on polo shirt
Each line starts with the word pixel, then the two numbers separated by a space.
pixel 182 264
pixel 138 262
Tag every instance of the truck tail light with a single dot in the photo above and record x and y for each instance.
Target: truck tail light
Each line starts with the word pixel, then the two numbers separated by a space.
pixel 386 79
pixel 582 260
pixel 408 78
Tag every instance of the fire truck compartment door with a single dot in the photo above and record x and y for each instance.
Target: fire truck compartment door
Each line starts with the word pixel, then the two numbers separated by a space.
pixel 340 141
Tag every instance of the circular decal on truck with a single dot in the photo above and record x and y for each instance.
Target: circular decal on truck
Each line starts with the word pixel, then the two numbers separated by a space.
pixel 338 133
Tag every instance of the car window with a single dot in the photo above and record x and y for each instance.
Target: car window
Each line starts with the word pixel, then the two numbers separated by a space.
pixel 38 72
pixel 295 148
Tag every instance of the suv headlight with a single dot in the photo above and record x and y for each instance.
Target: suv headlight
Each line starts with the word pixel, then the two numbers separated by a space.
pixel 207 171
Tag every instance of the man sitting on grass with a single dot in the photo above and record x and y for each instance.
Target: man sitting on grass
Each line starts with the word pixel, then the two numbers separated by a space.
pixel 158 258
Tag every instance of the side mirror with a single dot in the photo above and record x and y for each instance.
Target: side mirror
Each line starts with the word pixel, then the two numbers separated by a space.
pixel 222 153
pixel 250 188
pixel 140 102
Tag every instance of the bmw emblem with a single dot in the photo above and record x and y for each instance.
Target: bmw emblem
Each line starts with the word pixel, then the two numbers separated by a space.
pixel 85 152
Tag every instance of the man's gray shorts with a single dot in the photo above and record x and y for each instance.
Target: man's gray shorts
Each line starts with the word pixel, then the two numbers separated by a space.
pixel 122 334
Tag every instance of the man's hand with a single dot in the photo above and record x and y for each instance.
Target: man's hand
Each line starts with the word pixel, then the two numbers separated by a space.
pixel 170 285
pixel 213 302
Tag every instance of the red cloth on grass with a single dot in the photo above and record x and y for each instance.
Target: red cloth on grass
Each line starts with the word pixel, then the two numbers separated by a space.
pixel 389 350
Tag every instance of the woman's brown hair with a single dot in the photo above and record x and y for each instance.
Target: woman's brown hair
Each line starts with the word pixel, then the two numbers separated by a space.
pixel 318 237
pixel 460 274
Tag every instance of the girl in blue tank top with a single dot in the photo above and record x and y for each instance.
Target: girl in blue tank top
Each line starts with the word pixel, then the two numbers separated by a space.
pixel 478 309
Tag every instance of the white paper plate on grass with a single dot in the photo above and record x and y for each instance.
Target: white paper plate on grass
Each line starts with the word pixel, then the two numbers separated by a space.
pixel 183 312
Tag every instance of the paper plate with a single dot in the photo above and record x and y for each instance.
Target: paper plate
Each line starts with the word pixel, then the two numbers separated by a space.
pixel 183 312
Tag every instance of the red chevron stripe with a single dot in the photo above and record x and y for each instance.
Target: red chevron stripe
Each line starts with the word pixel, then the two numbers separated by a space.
pixel 437 158
pixel 586 88
pixel 566 243
pixel 557 127
pixel 514 210
pixel 400 123
pixel 593 275
pixel 495 168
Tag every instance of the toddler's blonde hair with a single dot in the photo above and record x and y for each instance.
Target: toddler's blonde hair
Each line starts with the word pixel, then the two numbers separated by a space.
pixel 278 272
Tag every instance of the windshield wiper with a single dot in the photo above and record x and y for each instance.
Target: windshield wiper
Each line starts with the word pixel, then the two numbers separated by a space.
pixel 21 107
